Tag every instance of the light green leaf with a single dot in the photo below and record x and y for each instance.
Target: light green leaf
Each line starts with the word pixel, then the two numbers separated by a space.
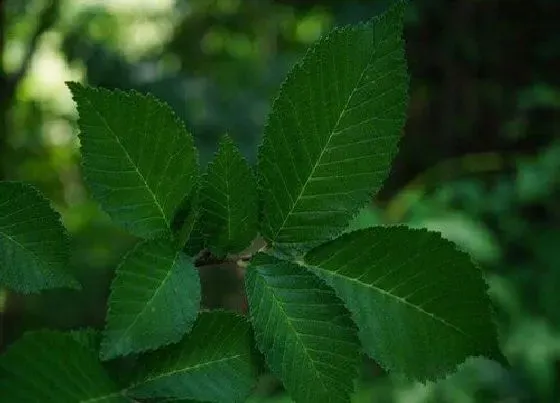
pixel 154 300
pixel 333 131
pixel 47 366
pixel 229 201
pixel 33 243
pixel 421 304
pixel 303 329
pixel 214 363
pixel 138 160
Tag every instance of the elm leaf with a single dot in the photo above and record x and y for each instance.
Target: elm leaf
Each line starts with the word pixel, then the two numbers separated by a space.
pixel 33 242
pixel 154 300
pixel 138 159
pixel 421 304
pixel 333 131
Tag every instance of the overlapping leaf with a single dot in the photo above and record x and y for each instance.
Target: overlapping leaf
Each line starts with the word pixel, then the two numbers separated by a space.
pixel 48 366
pixel 421 305
pixel 229 201
pixel 138 159
pixel 33 243
pixel 213 363
pixel 154 300
pixel 303 329
pixel 333 131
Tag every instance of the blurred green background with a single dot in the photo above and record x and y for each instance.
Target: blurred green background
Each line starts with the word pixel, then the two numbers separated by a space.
pixel 479 160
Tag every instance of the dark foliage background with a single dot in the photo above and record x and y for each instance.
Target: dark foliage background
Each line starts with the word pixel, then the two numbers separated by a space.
pixel 479 161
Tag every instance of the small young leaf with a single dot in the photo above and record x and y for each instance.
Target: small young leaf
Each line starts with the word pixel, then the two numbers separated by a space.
pixel 33 243
pixel 47 366
pixel 303 329
pixel 421 304
pixel 333 131
pixel 154 300
pixel 213 363
pixel 138 159
pixel 229 201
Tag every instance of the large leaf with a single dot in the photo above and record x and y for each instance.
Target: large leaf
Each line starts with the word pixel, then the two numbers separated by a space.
pixel 333 131
pixel 33 242
pixel 421 304
pixel 138 159
pixel 48 366
pixel 154 300
pixel 229 201
pixel 303 329
pixel 213 363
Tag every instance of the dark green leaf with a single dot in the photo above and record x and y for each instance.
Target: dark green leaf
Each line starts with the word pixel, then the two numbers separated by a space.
pixel 87 337
pixel 421 304
pixel 48 366
pixel 33 243
pixel 212 363
pixel 138 159
pixel 303 329
pixel 333 131
pixel 229 201
pixel 154 300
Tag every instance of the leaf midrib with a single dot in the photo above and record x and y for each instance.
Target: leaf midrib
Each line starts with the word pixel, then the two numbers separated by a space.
pixel 278 303
pixel 129 158
pixel 148 303
pixel 34 256
pixel 188 369
pixel 396 297
pixel 101 398
pixel 331 135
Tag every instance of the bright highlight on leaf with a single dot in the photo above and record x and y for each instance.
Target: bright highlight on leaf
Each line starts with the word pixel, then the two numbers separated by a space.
pixel 214 363
pixel 303 329
pixel 154 301
pixel 333 131
pixel 138 158
pixel 229 201
pixel 49 366
pixel 33 243
pixel 420 303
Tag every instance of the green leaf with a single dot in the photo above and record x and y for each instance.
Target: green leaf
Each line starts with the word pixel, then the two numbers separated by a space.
pixel 33 243
pixel 154 300
pixel 214 362
pixel 303 329
pixel 138 158
pixel 195 242
pixel 229 201
pixel 47 366
pixel 333 131
pixel 184 225
pixel 87 337
pixel 421 304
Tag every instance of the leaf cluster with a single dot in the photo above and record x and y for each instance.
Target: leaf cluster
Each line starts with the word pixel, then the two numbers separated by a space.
pixel 319 294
